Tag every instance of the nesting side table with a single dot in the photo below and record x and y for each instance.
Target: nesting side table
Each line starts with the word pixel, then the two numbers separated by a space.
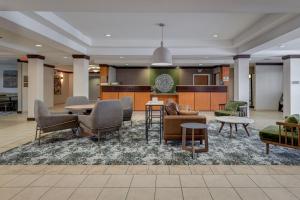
pixel 193 127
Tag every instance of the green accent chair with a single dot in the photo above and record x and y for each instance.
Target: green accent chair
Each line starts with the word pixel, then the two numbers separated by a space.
pixel 284 134
pixel 232 108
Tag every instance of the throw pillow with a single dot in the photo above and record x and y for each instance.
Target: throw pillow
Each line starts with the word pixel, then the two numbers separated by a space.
pixel 171 108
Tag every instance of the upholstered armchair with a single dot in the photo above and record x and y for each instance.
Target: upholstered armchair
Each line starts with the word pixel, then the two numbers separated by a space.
pixel 51 122
pixel 77 100
pixel 233 108
pixel 107 116
pixel 127 105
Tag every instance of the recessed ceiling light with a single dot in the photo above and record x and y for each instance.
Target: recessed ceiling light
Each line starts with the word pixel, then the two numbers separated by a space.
pixel 38 45
pixel 215 35
pixel 282 46
pixel 121 57
pixel 126 64
pixel 66 57
pixel 107 35
pixel 200 64
pixel 206 57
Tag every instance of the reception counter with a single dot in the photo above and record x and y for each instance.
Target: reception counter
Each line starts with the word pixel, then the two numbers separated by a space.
pixel 201 98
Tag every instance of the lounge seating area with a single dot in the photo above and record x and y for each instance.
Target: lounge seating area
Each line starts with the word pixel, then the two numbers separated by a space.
pixel 8 102
pixel 150 100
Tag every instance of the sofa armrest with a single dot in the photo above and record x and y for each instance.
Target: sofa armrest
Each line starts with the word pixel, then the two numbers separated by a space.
pixel 57 122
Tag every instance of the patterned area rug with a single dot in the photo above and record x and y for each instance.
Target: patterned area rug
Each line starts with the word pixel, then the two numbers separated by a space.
pixel 131 148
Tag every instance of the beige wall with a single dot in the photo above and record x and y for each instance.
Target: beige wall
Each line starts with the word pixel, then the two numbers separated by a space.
pixel 67 87
pixel 49 86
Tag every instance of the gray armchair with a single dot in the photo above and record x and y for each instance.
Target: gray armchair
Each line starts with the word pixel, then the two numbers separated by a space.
pixel 107 116
pixel 50 122
pixel 127 105
pixel 77 100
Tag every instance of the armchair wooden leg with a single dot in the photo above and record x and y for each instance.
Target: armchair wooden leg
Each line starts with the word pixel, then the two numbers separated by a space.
pixel 119 135
pixel 40 132
pixel 36 132
pixel 98 133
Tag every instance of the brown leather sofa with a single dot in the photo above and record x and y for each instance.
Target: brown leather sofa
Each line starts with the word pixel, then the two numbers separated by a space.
pixel 172 128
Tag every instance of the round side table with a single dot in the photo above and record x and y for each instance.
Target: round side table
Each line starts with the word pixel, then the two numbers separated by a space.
pixel 193 127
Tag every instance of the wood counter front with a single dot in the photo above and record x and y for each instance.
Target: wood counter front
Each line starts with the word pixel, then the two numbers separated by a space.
pixel 200 98
pixel 139 93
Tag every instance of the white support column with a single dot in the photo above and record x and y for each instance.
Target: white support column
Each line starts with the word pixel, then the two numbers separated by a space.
pixel 20 86
pixel 81 75
pixel 35 82
pixel 241 78
pixel 291 84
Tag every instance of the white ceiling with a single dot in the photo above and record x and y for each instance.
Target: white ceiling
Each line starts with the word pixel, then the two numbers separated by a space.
pixel 251 6
pixel 67 27
pixel 179 26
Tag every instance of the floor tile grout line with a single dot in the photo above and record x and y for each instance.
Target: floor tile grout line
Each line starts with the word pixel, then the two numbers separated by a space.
pixel 233 188
pixel 129 187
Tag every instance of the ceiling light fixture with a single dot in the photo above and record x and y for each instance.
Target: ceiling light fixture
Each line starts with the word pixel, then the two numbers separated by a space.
pixel 215 35
pixel 162 56
pixel 126 64
pixel 282 46
pixel 107 35
pixel 66 57
pixel 121 57
pixel 200 64
pixel 38 45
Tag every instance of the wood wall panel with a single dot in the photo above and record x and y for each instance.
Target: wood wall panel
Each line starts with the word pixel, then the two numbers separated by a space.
pixel 110 95
pixel 202 101
pixel 218 98
pixel 127 94
pixel 187 98
pixel 141 98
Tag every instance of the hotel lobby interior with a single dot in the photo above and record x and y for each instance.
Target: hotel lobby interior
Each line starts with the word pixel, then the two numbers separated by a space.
pixel 149 99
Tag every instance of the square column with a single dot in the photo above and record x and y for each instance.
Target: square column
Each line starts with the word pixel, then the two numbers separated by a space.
pixel 35 82
pixel 241 78
pixel 291 84
pixel 81 75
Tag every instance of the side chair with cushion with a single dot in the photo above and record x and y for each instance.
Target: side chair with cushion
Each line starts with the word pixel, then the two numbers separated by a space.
pixel 127 105
pixel 232 108
pixel 77 100
pixel 107 116
pixel 285 134
pixel 51 122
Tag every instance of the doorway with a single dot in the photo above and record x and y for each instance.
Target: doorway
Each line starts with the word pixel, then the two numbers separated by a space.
pixel 201 79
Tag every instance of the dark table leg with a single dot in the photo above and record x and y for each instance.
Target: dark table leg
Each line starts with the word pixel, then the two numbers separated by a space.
pixel 245 127
pixel 230 130
pixel 222 125
pixel 235 128
pixel 146 123
pixel 160 124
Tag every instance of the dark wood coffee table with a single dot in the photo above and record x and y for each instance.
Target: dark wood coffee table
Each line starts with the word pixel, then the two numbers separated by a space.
pixel 193 127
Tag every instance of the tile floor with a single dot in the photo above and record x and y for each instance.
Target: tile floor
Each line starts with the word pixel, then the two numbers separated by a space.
pixel 141 182
pixel 155 182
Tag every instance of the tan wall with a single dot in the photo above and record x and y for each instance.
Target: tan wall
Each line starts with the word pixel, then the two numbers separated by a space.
pixel 186 75
pixel 66 89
